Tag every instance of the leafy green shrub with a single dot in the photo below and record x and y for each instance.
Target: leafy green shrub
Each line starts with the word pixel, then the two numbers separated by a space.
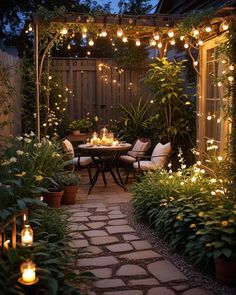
pixel 68 179
pixel 27 166
pixel 84 125
pixel 189 209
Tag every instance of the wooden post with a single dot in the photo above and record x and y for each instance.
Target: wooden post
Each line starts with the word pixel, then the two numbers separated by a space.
pixel 37 101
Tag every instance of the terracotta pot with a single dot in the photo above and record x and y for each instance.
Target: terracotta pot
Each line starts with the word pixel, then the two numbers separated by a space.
pixel 76 132
pixel 53 199
pixel 225 269
pixel 69 195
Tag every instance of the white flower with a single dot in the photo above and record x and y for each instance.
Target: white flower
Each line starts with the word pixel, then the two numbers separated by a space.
pixel 19 152
pixel 202 171
pixel 13 160
pixel 5 163
pixel 26 135
pixel 213 180
pixel 169 165
pixel 19 138
pixel 27 140
pixel 199 163
pixel 179 173
pixel 183 166
pixel 32 133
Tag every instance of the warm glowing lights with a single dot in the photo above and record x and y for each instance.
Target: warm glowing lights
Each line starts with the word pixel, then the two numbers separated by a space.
pixel 6 245
pixel 219 84
pixel 91 42
pixel 64 31
pixel 159 45
pixel 68 47
pixel 172 42
pixel 186 45
pixel 220 158
pixel 156 36
pixel 208 29
pixel 28 273
pixel 152 42
pixel 231 67
pixel 171 33
pixel 209 117
pixel 195 32
pixel 181 38
pixel 230 78
pixel 124 39
pixel 119 32
pixel 137 42
pixel 104 32
pixel 200 42
pixel 27 236
pixel 225 25
pixel 195 62
pixel 88 53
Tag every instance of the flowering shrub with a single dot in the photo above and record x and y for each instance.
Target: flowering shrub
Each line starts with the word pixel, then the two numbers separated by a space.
pixel 193 211
pixel 28 166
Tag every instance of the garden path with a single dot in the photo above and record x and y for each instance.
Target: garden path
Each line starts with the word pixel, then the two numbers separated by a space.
pixel 123 262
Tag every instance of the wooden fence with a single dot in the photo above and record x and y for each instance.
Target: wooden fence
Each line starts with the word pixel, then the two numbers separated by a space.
pixel 98 86
pixel 13 119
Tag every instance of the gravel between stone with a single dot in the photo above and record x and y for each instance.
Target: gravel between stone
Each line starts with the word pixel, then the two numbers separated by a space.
pixel 196 278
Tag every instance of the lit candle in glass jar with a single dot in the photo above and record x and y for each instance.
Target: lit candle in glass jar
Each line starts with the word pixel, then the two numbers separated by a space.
pixel 28 271
pixel 27 236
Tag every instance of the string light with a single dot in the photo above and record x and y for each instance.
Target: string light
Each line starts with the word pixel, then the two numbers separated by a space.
pixel 208 29
pixel 156 36
pixel 231 67
pixel 152 42
pixel 159 45
pixel 30 29
pixel 172 42
pixel 225 25
pixel 195 32
pixel 181 38
pixel 186 45
pixel 64 31
pixel 195 63
pixel 230 78
pixel 104 32
pixel 137 42
pixel 171 33
pixel 88 53
pixel 68 47
pixel 91 42
pixel 200 42
pixel 124 39
pixel 119 32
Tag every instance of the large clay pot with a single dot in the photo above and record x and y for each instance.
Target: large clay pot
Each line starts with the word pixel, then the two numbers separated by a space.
pixel 53 199
pixel 225 269
pixel 69 195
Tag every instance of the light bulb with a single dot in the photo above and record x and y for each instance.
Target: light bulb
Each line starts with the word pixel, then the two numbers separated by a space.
pixel 219 84
pixel 225 26
pixel 186 45
pixel 104 32
pixel 152 42
pixel 208 29
pixel 68 47
pixel 91 42
pixel 200 42
pixel 195 32
pixel 137 42
pixel 88 53
pixel 124 39
pixel 230 78
pixel 84 35
pixel 181 38
pixel 64 31
pixel 171 33
pixel 195 62
pixel 231 67
pixel 119 32
pixel 159 45
pixel 84 30
pixel 156 36
pixel 30 29
pixel 172 42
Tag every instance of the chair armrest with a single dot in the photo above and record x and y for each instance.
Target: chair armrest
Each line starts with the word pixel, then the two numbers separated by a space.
pixel 149 157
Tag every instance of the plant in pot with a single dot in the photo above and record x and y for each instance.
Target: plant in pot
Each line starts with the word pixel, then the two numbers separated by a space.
pixel 219 240
pixel 54 194
pixel 80 126
pixel 69 183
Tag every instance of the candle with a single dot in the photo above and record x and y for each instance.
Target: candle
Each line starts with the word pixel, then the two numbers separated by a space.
pixel 28 272
pixel 6 244
pixel 28 275
pixel 27 236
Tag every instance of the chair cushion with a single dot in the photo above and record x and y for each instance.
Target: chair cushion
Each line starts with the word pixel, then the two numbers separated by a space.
pixel 160 150
pixel 127 159
pixel 146 165
pixel 68 147
pixel 138 149
pixel 83 161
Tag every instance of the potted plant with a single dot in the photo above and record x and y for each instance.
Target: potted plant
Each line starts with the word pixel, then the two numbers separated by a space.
pixel 69 183
pixel 219 239
pixel 80 126
pixel 54 194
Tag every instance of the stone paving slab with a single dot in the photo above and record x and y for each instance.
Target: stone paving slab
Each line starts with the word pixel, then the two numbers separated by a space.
pixel 96 233
pixel 122 247
pixel 130 237
pixel 165 271
pixel 141 245
pixel 98 217
pixel 160 291
pixel 125 292
pixel 115 229
pixel 131 270
pixel 98 261
pixel 140 255
pixel 195 291
pixel 116 216
pixel 109 283
pixel 103 240
pixel 95 225
pixel 79 243
pixel 102 273
pixel 117 222
pixel 144 282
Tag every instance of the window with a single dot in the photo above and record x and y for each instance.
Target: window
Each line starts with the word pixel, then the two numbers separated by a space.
pixel 211 123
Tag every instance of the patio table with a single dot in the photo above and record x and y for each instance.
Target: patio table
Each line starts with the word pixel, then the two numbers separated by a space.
pixel 105 159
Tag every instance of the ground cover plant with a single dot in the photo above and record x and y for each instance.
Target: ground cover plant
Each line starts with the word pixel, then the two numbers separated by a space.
pixel 194 212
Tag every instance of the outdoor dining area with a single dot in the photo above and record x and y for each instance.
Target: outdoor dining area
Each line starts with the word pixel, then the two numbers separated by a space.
pixel 117 147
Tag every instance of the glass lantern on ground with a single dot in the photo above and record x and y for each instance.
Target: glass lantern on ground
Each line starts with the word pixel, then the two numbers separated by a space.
pixel 27 236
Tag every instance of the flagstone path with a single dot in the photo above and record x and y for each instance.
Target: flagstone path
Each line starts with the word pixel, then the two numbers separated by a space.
pixel 122 261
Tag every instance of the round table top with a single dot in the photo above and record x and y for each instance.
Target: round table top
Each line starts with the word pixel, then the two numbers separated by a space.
pixel 119 147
